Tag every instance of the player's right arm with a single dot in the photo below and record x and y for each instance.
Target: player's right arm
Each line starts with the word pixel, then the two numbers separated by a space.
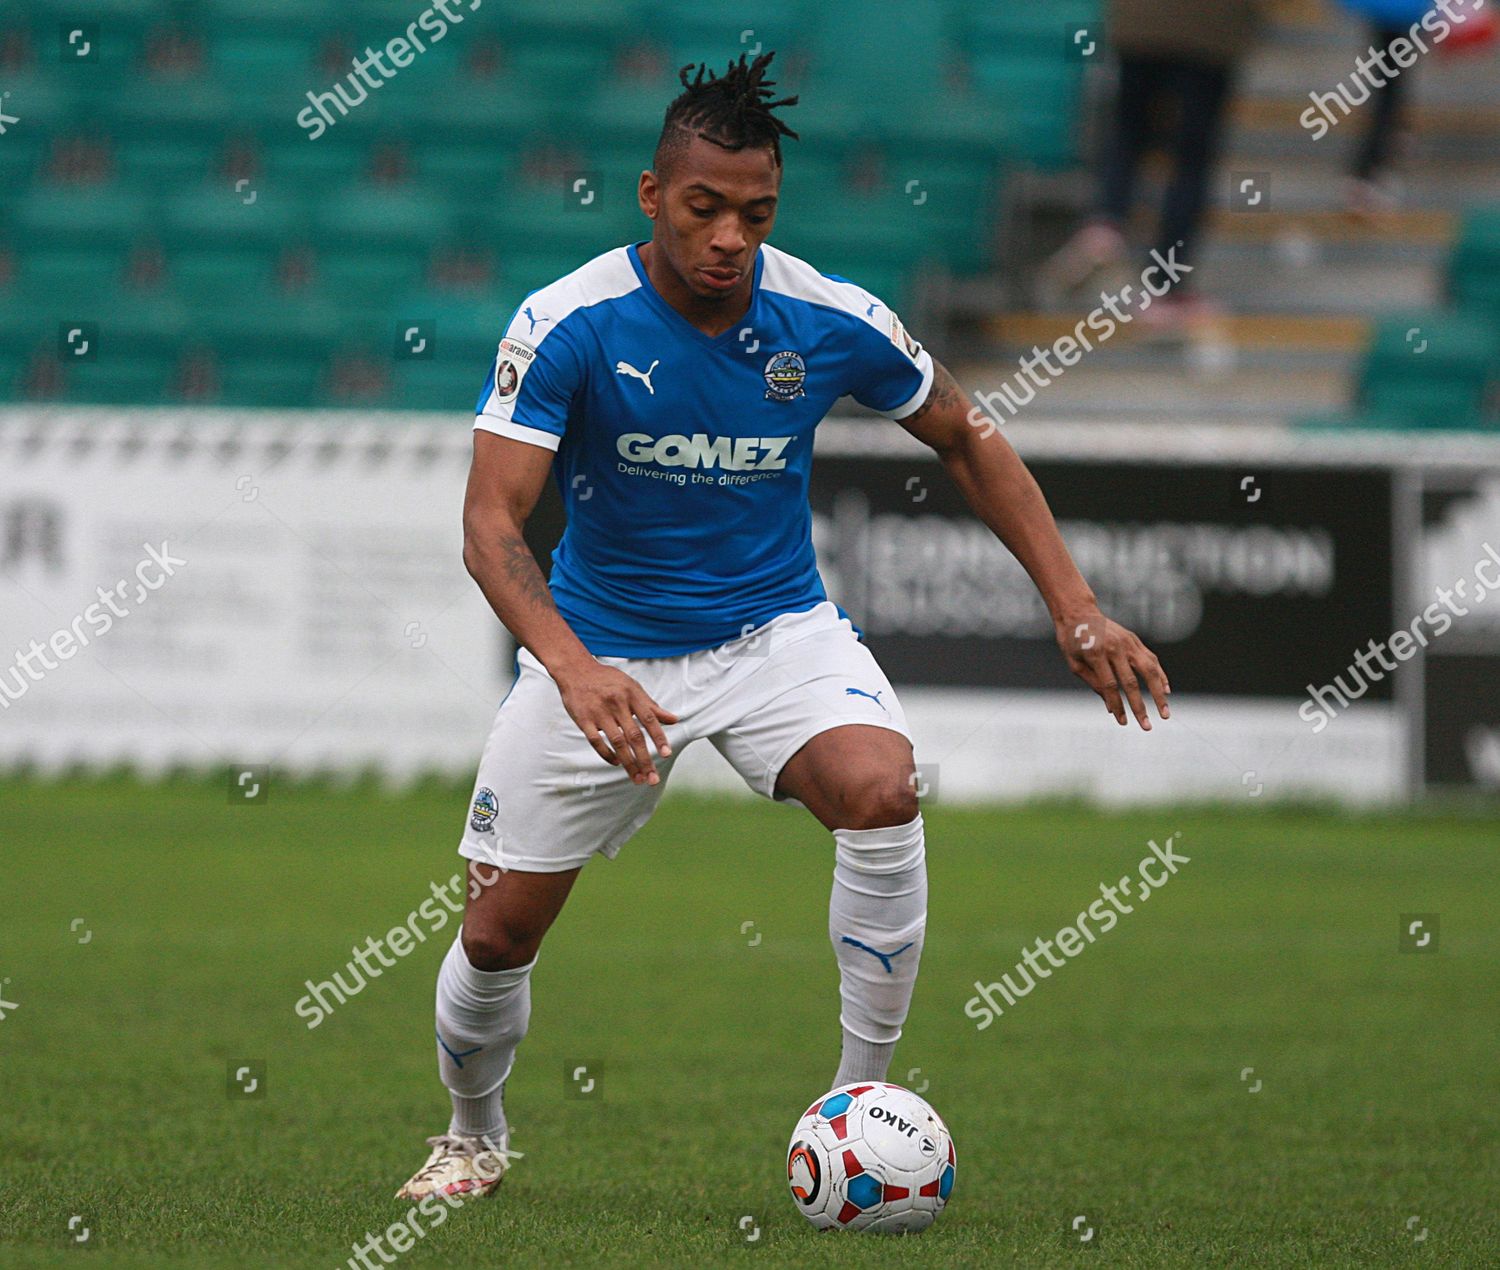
pixel 611 709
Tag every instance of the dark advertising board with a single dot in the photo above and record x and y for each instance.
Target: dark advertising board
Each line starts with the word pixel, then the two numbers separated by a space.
pixel 1244 584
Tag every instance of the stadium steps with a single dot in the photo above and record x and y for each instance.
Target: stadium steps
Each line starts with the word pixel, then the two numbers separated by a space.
pixel 1165 388
pixel 1260 367
pixel 1263 333
pixel 1290 274
pixel 1321 262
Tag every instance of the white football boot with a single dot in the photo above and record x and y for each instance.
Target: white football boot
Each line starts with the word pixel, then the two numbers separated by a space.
pixel 459 1165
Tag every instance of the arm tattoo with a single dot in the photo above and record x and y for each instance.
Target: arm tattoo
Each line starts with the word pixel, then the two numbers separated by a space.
pixel 944 395
pixel 522 571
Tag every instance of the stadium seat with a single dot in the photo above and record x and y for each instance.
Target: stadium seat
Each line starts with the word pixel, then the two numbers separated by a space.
pixel 139 379
pixel 333 161
pixel 717 31
pixel 274 16
pixel 218 214
pixel 1039 101
pixel 256 62
pixel 72 274
pixel 468 327
pixel 111 215
pixel 20 159
pixel 274 381
pixel 438 385
pixel 369 277
pixel 1433 369
pixel 182 108
pixel 478 113
pixel 305 326
pixel 379 219
pixel 600 23
pixel 474 151
pixel 1474 266
pixel 41 96
pixel 167 162
pixel 217 275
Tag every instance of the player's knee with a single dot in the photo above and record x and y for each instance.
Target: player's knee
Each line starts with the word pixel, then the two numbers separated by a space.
pixel 500 946
pixel 881 800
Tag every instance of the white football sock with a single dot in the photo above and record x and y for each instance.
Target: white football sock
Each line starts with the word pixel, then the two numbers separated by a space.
pixel 879 902
pixel 481 1018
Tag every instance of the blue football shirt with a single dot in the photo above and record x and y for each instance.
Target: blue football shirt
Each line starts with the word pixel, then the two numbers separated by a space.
pixel 684 460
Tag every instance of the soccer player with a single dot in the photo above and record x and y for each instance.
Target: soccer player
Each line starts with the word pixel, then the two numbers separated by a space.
pixel 672 389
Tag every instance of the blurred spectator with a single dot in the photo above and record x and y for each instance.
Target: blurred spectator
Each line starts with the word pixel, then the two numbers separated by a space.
pixel 1462 25
pixel 1371 189
pixel 1177 60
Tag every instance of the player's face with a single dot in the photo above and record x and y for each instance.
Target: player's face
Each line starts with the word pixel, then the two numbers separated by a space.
pixel 712 213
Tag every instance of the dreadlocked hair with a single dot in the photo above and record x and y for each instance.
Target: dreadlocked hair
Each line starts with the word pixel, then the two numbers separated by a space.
pixel 733 110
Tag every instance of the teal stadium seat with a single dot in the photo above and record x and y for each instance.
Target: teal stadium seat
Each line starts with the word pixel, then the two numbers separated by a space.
pixel 196 108
pixel 215 213
pixel 1021 60
pixel 109 215
pixel 872 77
pixel 165 162
pixel 334 161
pixel 716 31
pixel 20 164
pixel 291 17
pixel 137 379
pixel 300 326
pixel 79 274
pixel 270 381
pixel 476 113
pixel 1433 369
pixel 43 97
pixel 374 219
pixel 468 327
pixel 369 277
pixel 13 366
pixel 437 385
pixel 206 277
pixel 1474 266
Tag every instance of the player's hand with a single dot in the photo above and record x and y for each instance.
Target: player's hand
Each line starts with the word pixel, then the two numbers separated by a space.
pixel 1113 661
pixel 616 715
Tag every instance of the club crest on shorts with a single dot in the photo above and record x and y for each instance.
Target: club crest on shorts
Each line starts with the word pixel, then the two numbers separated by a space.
pixel 786 377
pixel 482 816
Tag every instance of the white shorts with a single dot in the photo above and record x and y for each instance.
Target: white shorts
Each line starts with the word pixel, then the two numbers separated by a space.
pixel 544 800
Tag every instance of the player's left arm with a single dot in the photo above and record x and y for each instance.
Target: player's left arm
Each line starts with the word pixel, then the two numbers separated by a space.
pixel 1004 494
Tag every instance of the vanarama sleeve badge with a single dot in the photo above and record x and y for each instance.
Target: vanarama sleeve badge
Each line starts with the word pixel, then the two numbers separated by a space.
pixel 511 364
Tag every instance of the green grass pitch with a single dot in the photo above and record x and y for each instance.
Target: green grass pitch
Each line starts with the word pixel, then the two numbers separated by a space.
pixel 152 936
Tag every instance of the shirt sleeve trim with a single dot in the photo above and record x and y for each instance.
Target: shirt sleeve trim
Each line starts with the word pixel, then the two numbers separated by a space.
pixel 919 398
pixel 517 432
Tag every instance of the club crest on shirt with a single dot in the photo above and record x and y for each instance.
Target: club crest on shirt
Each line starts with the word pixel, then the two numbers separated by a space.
pixel 786 377
pixel 511 364
pixel 482 817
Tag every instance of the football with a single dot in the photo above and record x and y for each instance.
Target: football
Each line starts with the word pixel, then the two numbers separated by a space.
pixel 873 1157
